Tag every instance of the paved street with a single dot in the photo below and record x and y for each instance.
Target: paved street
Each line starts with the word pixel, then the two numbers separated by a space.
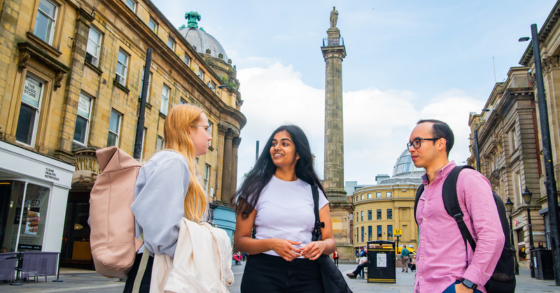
pixel 90 282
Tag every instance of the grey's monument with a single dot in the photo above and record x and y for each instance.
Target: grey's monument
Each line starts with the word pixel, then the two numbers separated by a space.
pixel 334 52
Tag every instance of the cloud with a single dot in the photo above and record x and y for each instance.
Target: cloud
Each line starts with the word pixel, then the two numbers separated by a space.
pixel 377 124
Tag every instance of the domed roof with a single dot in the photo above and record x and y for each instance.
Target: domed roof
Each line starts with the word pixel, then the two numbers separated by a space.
pixel 201 40
pixel 404 167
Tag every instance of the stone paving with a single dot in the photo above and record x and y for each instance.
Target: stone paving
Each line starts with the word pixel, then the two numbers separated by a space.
pixel 84 281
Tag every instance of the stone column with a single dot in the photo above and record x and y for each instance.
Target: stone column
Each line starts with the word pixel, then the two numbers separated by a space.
pixel 236 141
pixel 334 52
pixel 74 86
pixel 226 176
pixel 222 129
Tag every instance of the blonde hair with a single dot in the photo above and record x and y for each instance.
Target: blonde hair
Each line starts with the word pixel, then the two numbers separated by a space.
pixel 177 131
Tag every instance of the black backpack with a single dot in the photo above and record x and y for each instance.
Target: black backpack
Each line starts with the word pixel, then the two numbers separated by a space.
pixel 503 278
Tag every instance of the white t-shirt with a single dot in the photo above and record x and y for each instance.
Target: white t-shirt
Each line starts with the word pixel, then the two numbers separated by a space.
pixel 285 211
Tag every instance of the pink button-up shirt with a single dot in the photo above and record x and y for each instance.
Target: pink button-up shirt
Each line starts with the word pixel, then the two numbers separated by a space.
pixel 441 258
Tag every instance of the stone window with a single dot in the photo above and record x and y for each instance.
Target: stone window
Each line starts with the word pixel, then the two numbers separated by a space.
pixel 165 99
pixel 29 111
pixel 389 194
pixel 379 232
pixel 46 21
pixel 210 131
pixel 93 46
pixel 362 197
pixel 183 101
pixel 142 85
pixel 389 214
pixel 356 198
pixel 171 43
pixel 187 60
pixel 362 216
pixel 369 196
pixel 160 144
pixel 212 86
pixel 114 129
pixel 206 177
pixel 362 234
pixel 370 232
pixel 379 214
pixel 82 120
pixel 369 215
pixel 153 25
pixel 389 232
pixel 201 74
pixel 131 4
pixel 122 67
pixel 378 195
pixel 513 140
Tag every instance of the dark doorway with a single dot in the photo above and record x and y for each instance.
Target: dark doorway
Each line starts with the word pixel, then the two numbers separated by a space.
pixel 76 250
pixel 5 194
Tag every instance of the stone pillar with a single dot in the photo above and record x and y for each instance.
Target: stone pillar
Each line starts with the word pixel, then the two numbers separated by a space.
pixel 222 129
pixel 74 86
pixel 226 176
pixel 333 52
pixel 236 141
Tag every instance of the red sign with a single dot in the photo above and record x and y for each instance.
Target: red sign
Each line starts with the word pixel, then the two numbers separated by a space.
pixel 515 223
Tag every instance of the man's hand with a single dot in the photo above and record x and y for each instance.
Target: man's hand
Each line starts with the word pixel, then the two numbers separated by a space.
pixel 460 288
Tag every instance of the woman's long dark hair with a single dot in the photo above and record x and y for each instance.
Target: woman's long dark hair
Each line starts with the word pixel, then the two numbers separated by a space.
pixel 247 196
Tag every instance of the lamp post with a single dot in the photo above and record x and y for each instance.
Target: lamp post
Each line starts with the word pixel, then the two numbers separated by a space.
pixel 509 209
pixel 527 199
pixel 550 183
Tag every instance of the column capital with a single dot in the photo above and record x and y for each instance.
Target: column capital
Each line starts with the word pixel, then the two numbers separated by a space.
pixel 236 141
pixel 222 128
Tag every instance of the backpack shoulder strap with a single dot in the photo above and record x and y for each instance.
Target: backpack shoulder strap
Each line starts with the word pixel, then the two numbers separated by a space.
pixel 419 192
pixel 451 203
pixel 316 233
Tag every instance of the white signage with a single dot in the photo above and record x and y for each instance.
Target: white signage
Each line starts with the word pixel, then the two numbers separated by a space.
pixel 31 92
pixel 83 106
pixel 381 260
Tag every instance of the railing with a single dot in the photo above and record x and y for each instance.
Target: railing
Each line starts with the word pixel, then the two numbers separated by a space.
pixel 333 42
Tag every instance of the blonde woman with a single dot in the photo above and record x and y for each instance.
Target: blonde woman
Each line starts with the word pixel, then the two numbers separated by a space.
pixel 167 188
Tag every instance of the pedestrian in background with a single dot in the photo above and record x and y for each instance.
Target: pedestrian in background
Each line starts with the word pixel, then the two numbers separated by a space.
pixel 444 262
pixel 167 188
pixel 277 198
pixel 405 255
pixel 335 257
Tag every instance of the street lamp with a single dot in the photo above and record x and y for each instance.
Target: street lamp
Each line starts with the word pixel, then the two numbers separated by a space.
pixel 509 209
pixel 527 199
pixel 550 183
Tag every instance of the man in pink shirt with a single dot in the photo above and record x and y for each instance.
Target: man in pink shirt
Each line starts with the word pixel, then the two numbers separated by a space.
pixel 443 262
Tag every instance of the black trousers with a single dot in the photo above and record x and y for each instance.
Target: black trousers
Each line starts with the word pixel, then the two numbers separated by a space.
pixel 145 284
pixel 273 274
pixel 359 268
pixel 336 261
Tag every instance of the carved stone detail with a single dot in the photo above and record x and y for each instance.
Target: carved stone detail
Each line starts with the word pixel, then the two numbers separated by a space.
pixel 236 141
pixel 222 129
pixel 23 58
pixel 550 63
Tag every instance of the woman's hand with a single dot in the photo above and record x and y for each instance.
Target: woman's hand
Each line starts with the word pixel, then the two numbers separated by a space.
pixel 286 249
pixel 313 250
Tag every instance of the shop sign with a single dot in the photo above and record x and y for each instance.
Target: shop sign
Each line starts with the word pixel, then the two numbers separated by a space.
pixel 50 174
pixel 31 92
pixel 22 246
pixel 515 223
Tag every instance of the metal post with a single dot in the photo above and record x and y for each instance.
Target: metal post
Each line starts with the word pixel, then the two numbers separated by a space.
pixel 476 150
pixel 531 246
pixel 516 264
pixel 58 270
pixel 550 183
pixel 141 115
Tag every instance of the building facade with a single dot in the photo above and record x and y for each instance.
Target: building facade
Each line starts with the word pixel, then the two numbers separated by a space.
pixel 508 151
pixel 389 205
pixel 71 75
pixel 549 42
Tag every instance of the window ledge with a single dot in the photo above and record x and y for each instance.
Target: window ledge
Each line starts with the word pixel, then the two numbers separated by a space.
pixel 211 148
pixel 148 105
pixel 162 115
pixel 93 67
pixel 120 86
pixel 44 44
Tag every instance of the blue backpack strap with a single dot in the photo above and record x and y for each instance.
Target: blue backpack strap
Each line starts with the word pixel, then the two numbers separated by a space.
pixel 419 192
pixel 451 203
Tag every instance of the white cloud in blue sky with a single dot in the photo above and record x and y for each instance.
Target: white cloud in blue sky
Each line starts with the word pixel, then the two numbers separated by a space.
pixel 406 60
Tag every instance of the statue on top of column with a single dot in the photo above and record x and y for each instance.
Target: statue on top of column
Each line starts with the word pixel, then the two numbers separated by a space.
pixel 334 17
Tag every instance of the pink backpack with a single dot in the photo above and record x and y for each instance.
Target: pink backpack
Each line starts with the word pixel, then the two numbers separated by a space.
pixel 112 239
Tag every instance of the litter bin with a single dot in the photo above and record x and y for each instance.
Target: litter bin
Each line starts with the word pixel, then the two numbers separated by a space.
pixel 381 262
pixel 542 262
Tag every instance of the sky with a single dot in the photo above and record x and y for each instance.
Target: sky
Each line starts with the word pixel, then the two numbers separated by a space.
pixel 406 61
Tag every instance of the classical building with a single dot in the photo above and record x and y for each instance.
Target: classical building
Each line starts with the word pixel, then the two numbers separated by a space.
pixel 71 75
pixel 388 205
pixel 508 151
pixel 549 42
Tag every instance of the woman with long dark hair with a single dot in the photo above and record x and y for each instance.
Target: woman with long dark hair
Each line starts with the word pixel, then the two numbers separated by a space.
pixel 276 197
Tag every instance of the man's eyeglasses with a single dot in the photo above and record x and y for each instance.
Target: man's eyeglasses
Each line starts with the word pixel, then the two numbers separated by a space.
pixel 206 127
pixel 417 142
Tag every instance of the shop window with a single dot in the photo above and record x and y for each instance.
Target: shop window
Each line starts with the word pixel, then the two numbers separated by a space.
pixel 29 111
pixel 27 208
pixel 122 67
pixel 46 21
pixel 160 144
pixel 379 214
pixel 165 99
pixel 142 85
pixel 114 129
pixel 153 25
pixel 389 214
pixel 93 47
pixel 82 120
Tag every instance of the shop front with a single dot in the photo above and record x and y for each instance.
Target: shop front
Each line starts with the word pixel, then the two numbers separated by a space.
pixel 33 195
